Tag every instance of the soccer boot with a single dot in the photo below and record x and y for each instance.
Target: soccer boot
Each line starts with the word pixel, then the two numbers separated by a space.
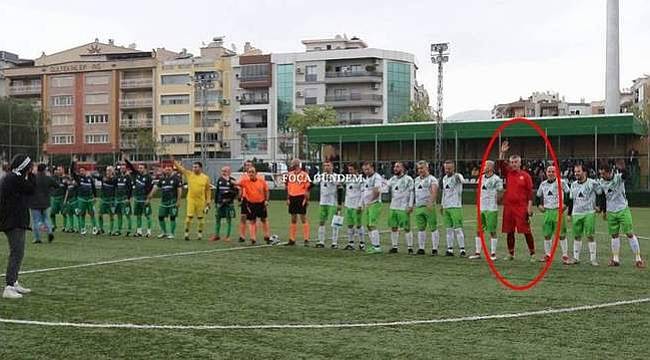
pixel 349 247
pixel 449 252
pixel 476 256
pixel 434 252
pixel 320 245
pixel 640 264
pixel 20 289
pixel 393 251
pixel 374 250
pixel 410 251
pixel 462 252
pixel 161 236
pixel 335 246
pixel 420 252
pixel 11 293
pixel 613 263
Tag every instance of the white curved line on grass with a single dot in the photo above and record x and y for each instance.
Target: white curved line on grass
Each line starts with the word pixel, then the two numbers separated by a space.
pixel 325 326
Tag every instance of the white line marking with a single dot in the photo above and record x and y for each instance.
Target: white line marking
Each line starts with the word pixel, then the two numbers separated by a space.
pixel 326 326
pixel 139 258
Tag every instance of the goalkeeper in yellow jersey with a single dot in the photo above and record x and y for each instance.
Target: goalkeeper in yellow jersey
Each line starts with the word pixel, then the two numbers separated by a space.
pixel 199 195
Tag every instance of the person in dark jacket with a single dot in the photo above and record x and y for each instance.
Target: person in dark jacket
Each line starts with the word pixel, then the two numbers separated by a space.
pixel 15 189
pixel 39 204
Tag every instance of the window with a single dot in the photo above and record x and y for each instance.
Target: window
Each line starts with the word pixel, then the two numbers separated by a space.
pixel 96 79
pixel 175 119
pixel 310 97
pixel 97 119
pixel 62 100
pixel 210 137
pixel 310 73
pixel 175 99
pixel 97 99
pixel 286 94
pixel 399 89
pixel 211 119
pixel 62 81
pixel 96 139
pixel 212 97
pixel 175 139
pixel 355 68
pixel 62 139
pixel 62 119
pixel 180 79
pixel 255 72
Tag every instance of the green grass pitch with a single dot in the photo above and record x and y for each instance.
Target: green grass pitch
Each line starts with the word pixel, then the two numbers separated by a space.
pixel 297 285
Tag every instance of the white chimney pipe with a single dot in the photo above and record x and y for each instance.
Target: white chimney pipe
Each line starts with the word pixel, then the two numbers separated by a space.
pixel 612 67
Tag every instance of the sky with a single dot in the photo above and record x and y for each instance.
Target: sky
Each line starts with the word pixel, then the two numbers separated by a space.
pixel 500 49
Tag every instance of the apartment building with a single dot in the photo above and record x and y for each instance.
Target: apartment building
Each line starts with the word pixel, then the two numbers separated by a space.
pixel 9 60
pixel 97 97
pixel 189 115
pixel 541 104
pixel 364 85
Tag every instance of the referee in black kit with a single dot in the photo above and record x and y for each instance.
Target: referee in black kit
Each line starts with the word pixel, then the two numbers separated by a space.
pixel 15 188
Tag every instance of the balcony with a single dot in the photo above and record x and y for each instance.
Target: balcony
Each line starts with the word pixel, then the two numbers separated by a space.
pixel 136 83
pixel 136 103
pixel 17 90
pixel 254 99
pixel 255 81
pixel 351 100
pixel 136 123
pixel 346 77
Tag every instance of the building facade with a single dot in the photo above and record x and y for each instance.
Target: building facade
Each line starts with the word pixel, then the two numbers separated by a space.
pixel 97 98
pixel 189 115
pixel 9 60
pixel 541 104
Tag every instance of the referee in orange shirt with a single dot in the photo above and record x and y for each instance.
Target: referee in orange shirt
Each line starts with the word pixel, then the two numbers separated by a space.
pixel 257 201
pixel 298 185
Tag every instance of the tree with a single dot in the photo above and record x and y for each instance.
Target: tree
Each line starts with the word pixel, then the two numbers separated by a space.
pixel 418 112
pixel 148 146
pixel 24 128
pixel 642 112
pixel 311 116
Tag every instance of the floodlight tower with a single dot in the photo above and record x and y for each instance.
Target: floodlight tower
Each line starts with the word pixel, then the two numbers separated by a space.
pixel 203 82
pixel 439 56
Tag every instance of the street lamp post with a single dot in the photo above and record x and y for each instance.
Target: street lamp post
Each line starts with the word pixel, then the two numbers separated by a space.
pixel 439 56
pixel 203 82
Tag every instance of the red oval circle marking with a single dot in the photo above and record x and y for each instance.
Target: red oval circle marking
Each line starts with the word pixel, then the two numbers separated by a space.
pixel 556 238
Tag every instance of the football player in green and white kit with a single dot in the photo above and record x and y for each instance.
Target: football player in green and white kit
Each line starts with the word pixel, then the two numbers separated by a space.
pixel 452 207
pixel 584 192
pixel 353 190
pixel 548 202
pixel 329 204
pixel 371 203
pixel 426 193
pixel 401 206
pixel 618 215
pixel 491 190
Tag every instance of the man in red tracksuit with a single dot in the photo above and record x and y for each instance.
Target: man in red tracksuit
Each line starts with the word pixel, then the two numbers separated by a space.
pixel 517 201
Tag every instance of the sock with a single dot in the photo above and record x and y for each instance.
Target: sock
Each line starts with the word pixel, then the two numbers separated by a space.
pixel 293 229
pixel 335 235
pixel 530 242
pixel 450 240
pixel 266 227
pixel 253 231
pixel 82 222
pixel 321 234
pixel 460 238
pixel 435 239
pixel 547 247
pixel 217 226
pixel 577 249
pixel 305 231
pixel 592 250
pixel 409 239
pixel 361 233
pixel 394 238
pixel 636 249
pixel 511 243
pixel 53 219
pixel 242 230
pixel 616 248
pixel 477 245
pixel 138 222
pixel 188 222
pixel 111 224
pixel 163 225
pixel 493 245
pixel 201 225
pixel 93 220
pixel 565 247
pixel 149 222
pixel 228 227
pixel 172 225
pixel 351 236
pixel 374 238
pixel 129 223
pixel 422 238
pixel 101 223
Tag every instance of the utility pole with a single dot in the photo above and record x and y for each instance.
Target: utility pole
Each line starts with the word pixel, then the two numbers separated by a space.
pixel 439 56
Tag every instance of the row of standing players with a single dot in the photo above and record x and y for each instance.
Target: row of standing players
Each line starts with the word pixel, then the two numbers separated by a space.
pixel 583 200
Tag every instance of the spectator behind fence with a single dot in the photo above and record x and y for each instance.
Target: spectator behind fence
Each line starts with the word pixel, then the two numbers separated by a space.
pixel 15 188
pixel 39 204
